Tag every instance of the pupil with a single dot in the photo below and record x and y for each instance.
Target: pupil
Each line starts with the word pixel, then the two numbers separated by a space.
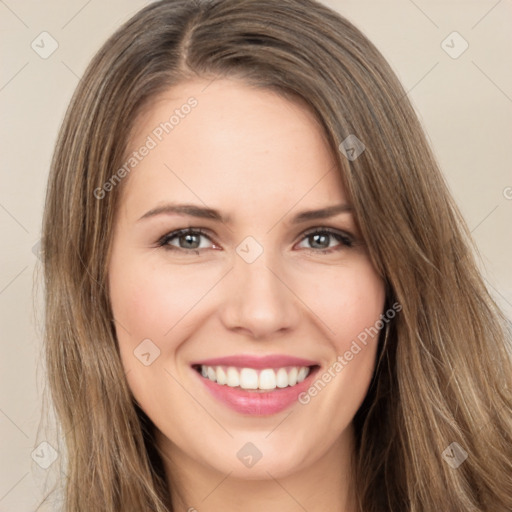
pixel 320 236
pixel 189 239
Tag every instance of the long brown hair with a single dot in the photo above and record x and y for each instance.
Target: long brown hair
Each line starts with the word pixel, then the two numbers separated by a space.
pixel 445 375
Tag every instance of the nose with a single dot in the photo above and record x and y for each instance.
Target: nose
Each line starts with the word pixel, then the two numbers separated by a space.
pixel 259 301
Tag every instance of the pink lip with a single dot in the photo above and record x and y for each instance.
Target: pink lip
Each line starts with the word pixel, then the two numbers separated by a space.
pixel 257 362
pixel 257 403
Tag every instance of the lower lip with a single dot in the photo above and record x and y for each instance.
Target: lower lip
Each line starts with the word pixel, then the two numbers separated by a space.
pixel 257 403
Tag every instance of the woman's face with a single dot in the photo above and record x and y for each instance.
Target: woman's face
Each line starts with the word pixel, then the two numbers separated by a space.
pixel 257 301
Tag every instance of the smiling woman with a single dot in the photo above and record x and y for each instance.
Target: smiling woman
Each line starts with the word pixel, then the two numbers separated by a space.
pixel 278 307
pixel 227 324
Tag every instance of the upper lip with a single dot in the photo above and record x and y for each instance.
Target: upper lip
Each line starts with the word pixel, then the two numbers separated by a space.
pixel 257 362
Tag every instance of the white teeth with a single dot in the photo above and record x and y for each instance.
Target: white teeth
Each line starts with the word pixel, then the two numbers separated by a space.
pixel 282 378
pixel 302 374
pixel 211 373
pixel 292 376
pixel 233 377
pixel 250 378
pixel 221 376
pixel 267 379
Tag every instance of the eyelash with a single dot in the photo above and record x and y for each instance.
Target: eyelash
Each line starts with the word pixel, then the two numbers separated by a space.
pixel 345 240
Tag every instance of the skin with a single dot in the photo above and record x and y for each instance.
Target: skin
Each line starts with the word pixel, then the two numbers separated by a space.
pixel 259 159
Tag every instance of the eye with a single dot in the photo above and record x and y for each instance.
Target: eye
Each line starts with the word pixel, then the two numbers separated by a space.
pixel 320 240
pixel 187 239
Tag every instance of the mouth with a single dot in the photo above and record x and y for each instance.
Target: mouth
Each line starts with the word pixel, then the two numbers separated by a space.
pixel 253 379
pixel 256 391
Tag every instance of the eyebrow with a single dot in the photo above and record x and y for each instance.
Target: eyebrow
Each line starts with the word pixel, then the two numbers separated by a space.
pixel 212 214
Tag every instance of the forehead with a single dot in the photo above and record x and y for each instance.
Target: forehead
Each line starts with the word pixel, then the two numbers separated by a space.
pixel 229 144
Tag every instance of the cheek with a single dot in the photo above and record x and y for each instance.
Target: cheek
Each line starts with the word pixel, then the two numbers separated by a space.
pixel 153 302
pixel 153 311
pixel 346 301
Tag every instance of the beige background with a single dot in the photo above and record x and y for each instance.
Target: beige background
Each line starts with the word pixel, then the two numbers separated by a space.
pixel 465 105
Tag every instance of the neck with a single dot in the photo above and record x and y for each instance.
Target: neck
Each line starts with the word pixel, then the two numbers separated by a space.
pixel 327 484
